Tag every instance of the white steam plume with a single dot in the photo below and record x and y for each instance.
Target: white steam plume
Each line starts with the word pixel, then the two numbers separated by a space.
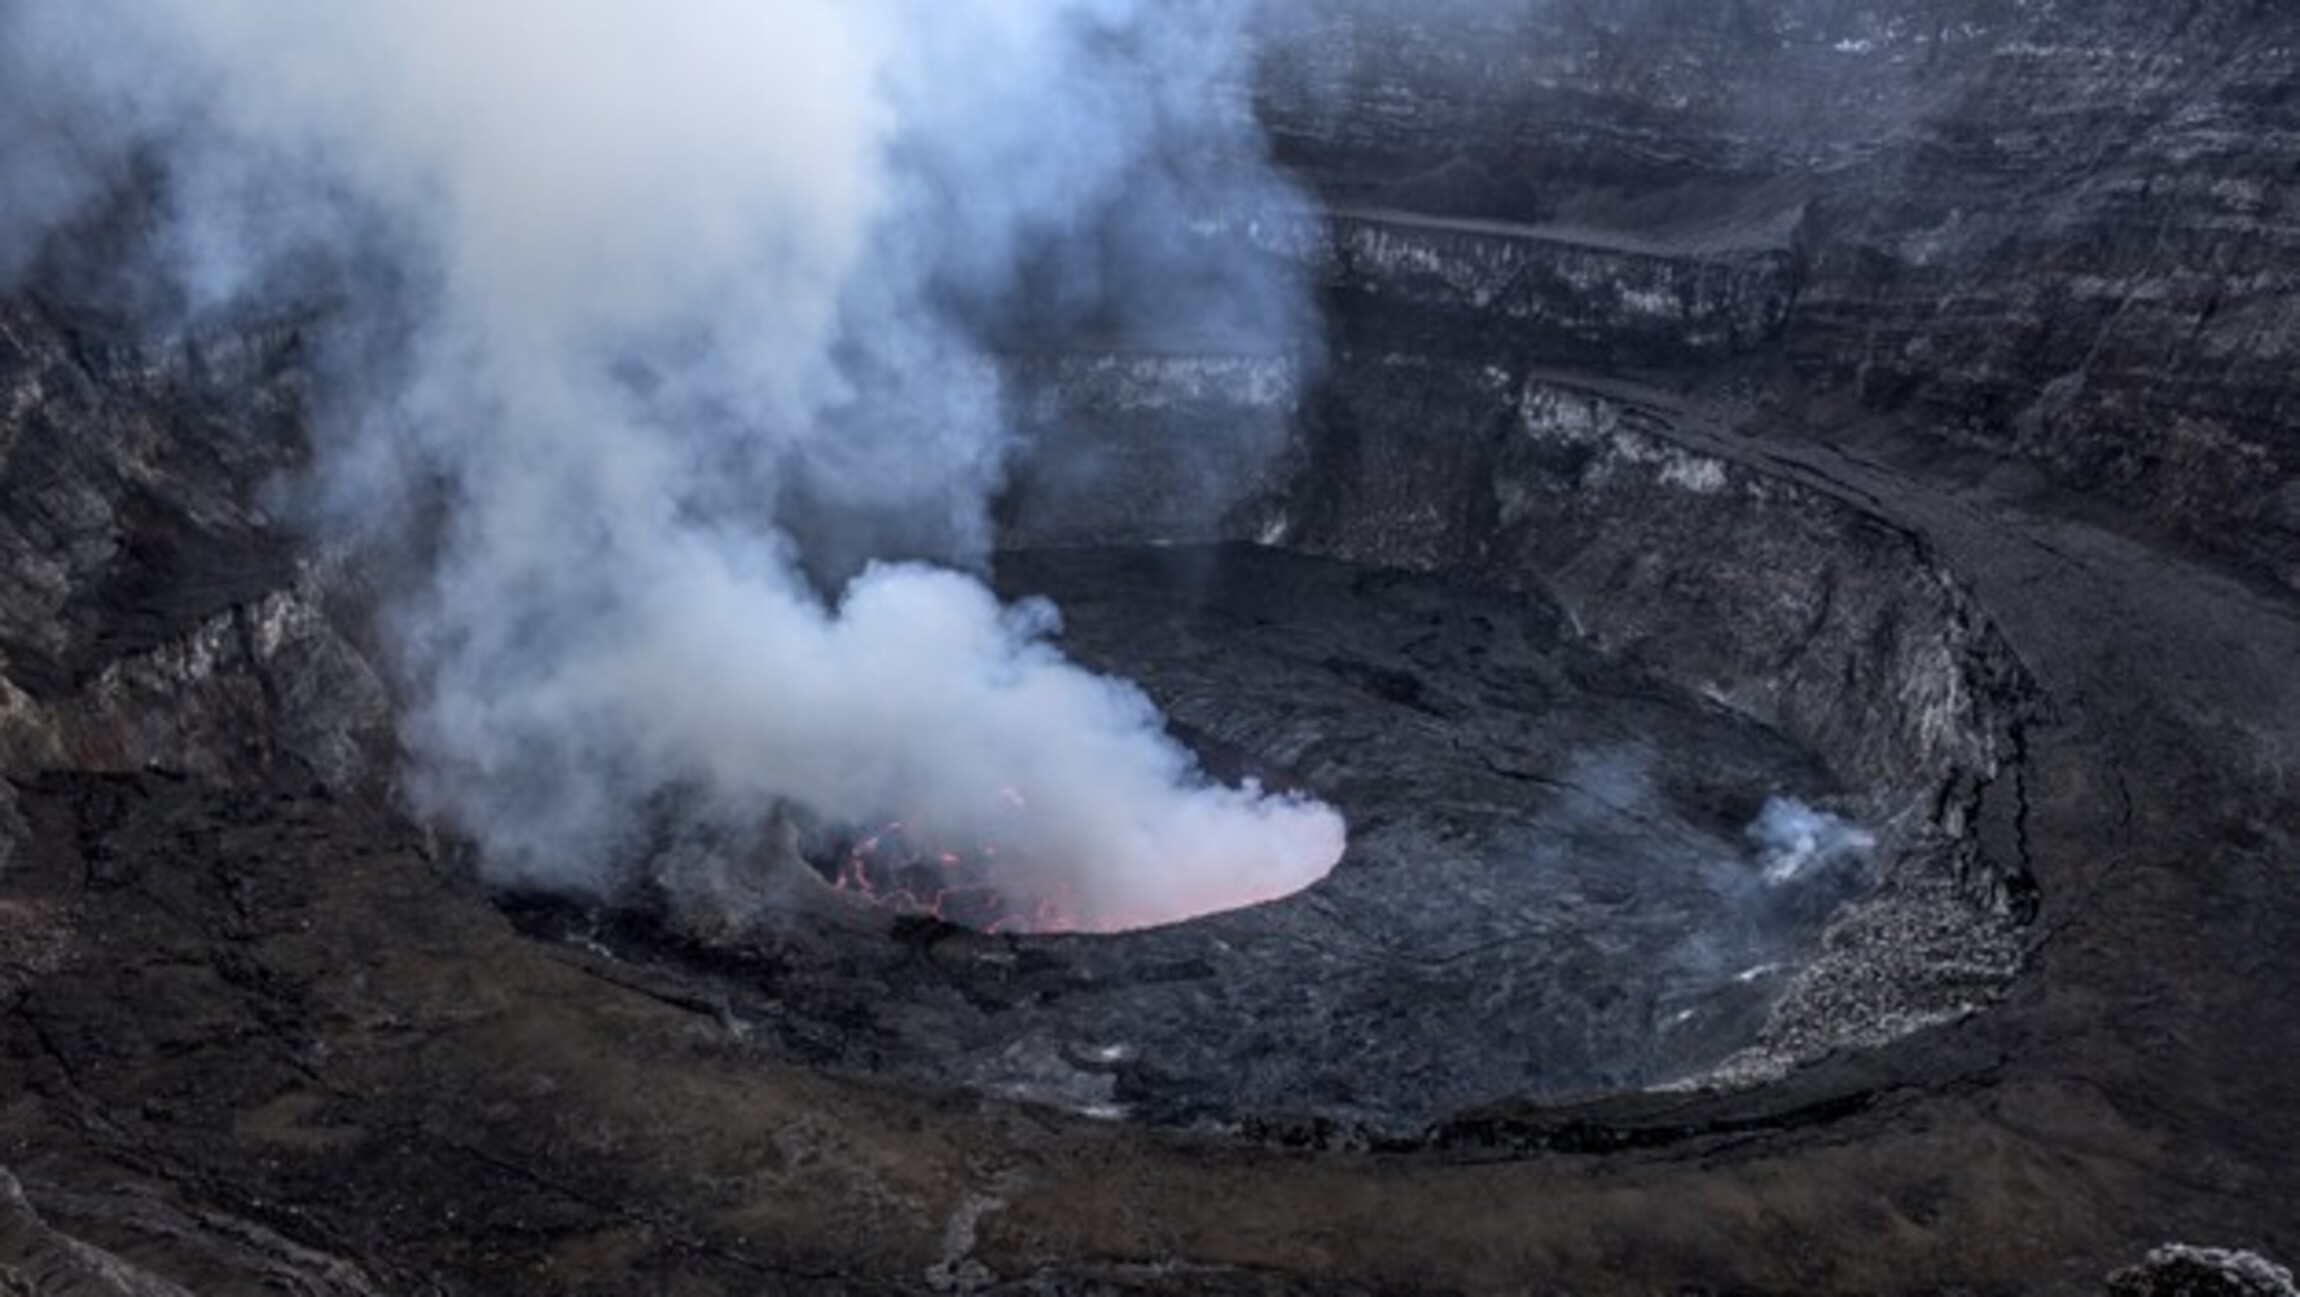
pixel 651 321
pixel 1792 840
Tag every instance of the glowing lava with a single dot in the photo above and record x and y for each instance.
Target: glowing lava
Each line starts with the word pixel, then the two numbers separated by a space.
pixel 958 887
pixel 990 884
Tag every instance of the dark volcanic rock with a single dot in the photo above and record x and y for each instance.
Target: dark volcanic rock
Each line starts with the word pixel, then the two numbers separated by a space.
pixel 150 614
pixel 1153 446
pixel 1549 890
pixel 126 479
pixel 2059 230
pixel 1903 389
pixel 1571 295
pixel 2177 1270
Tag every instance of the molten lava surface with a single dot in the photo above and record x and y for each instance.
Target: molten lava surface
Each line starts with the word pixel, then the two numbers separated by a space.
pixel 967 887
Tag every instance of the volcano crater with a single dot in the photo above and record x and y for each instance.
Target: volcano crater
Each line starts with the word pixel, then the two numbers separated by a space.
pixel 1672 781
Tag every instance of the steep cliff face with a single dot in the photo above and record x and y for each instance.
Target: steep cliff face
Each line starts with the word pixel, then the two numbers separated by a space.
pixel 2064 231
pixel 151 613
pixel 1776 596
pixel 1145 446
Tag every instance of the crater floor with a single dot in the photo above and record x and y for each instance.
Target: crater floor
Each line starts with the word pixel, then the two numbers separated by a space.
pixel 1551 888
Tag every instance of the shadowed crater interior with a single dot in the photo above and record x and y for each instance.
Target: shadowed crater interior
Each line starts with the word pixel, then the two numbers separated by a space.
pixel 1568 874
pixel 1664 765
pixel 1552 885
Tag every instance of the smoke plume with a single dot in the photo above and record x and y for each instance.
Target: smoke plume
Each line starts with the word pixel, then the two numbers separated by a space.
pixel 1793 840
pixel 652 336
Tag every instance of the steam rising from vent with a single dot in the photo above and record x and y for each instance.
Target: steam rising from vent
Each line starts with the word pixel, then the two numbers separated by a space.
pixel 1792 840
pixel 653 338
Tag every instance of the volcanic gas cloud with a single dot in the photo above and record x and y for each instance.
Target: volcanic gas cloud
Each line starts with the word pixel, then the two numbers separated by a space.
pixel 648 364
